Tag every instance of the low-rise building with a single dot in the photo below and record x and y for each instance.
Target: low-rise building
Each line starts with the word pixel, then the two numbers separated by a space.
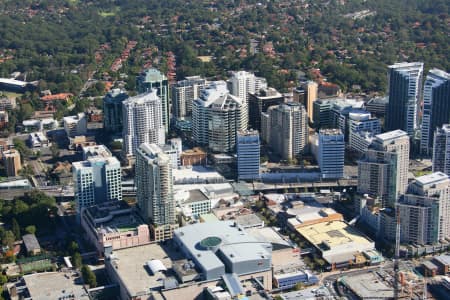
pixel 50 285
pixel 338 242
pixel 192 262
pixel 193 202
pixel 193 157
pixel 38 139
pixel 31 244
pixel 114 225
pixel 75 125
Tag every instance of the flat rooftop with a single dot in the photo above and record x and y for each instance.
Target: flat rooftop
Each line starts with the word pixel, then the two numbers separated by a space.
pixel 268 234
pixel 367 285
pixel 197 173
pixel 196 196
pixel 394 134
pixel 431 178
pixel 333 233
pixel 55 285
pixel 130 265
pixel 248 220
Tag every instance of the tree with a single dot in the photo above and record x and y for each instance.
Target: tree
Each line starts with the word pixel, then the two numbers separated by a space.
pixel 77 260
pixel 55 150
pixel 8 239
pixel 72 247
pixel 116 145
pixel 16 229
pixel 3 279
pixel 88 276
pixel 31 229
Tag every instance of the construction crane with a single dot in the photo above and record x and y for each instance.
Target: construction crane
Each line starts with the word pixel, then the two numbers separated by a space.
pixel 397 256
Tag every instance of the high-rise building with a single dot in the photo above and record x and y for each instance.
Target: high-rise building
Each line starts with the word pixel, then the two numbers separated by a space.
pixel 311 88
pixel 241 84
pixel 184 92
pixel 436 106
pixel 11 161
pixel 259 102
pixel 288 126
pixel 112 110
pixel 396 141
pixel 97 179
pixel 383 171
pixel 142 121
pixel 217 116
pixel 377 174
pixel 331 153
pixel 153 79
pixel 441 150
pixel 154 189
pixel 248 155
pixel 419 219
pixel 405 91
pixel 435 186
pixel 361 121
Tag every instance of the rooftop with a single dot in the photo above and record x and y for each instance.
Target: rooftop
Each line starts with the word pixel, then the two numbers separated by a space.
pixel 337 240
pixel 390 135
pixel 55 285
pixel 367 285
pixel 130 265
pixel 432 178
pixel 248 220
pixel 443 259
pixel 96 150
pixel 270 235
pixel 31 242
pixel 233 243
pixel 333 131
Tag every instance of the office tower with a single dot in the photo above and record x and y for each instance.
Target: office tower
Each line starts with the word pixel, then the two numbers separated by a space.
pixel 75 125
pixel 248 155
pixel 321 113
pixel 112 110
pixel 436 106
pixel 377 174
pixel 378 106
pixel 299 95
pixel 310 87
pixel 405 83
pixel 241 84
pixel 441 150
pixel 396 141
pixel 288 129
pixel 425 210
pixel 153 79
pixel 216 118
pixel 331 153
pixel 11 161
pixel 142 121
pixel 259 102
pixel 154 189
pixel 360 121
pixel 383 171
pixel 184 92
pixel 97 179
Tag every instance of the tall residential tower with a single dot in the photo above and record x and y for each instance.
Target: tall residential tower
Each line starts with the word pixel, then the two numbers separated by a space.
pixel 154 189
pixel 436 107
pixel 142 121
pixel 152 79
pixel 405 92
